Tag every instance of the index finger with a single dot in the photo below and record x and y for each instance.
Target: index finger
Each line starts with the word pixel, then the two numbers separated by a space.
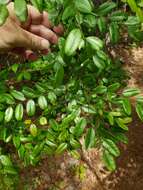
pixel 37 18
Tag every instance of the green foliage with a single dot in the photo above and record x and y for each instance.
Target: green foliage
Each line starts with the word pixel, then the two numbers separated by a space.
pixel 75 92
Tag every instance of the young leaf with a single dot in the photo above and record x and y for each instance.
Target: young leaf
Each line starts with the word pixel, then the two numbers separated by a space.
pixel 33 130
pixel 43 121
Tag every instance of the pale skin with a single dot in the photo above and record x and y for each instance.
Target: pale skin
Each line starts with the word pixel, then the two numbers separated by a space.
pixel 25 38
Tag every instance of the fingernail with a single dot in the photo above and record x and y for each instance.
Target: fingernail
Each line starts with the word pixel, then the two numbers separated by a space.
pixel 32 57
pixel 45 51
pixel 59 29
pixel 45 44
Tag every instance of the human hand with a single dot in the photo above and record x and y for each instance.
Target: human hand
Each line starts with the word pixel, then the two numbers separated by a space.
pixel 36 34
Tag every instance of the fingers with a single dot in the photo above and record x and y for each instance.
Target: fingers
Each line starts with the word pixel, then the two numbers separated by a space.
pixel 59 29
pixel 37 18
pixel 30 55
pixel 32 41
pixel 44 32
pixel 34 15
pixel 45 20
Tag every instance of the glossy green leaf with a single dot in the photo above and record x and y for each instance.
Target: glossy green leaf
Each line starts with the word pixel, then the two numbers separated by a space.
pixel 111 147
pixel 61 148
pixel 3 14
pixel 95 42
pixel 59 76
pixel 8 114
pixel 21 152
pixel 28 92
pixel 17 95
pixel 127 106
pixel 54 125
pixel 105 8
pixel 19 112
pixel 21 10
pixel 9 99
pixel 73 41
pixel 121 124
pixel 79 128
pixel 16 141
pixel 38 4
pixel 42 102
pixel 109 161
pixel 50 143
pixel 102 24
pixel 114 32
pixel 139 110
pixel 83 6
pixel 74 143
pixel 30 108
pixel 98 62
pixel 1 116
pixel 114 87
pixel 131 92
pixel 90 138
pixel 5 160
pixel 68 12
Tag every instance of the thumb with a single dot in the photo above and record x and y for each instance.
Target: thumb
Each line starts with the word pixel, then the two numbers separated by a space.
pixel 34 42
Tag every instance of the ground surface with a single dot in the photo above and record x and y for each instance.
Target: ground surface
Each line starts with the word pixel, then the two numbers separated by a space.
pixel 66 173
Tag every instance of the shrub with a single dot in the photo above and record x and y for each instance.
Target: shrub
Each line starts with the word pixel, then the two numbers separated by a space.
pixel 72 98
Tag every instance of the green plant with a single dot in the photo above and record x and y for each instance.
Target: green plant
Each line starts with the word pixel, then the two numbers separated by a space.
pixel 75 92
